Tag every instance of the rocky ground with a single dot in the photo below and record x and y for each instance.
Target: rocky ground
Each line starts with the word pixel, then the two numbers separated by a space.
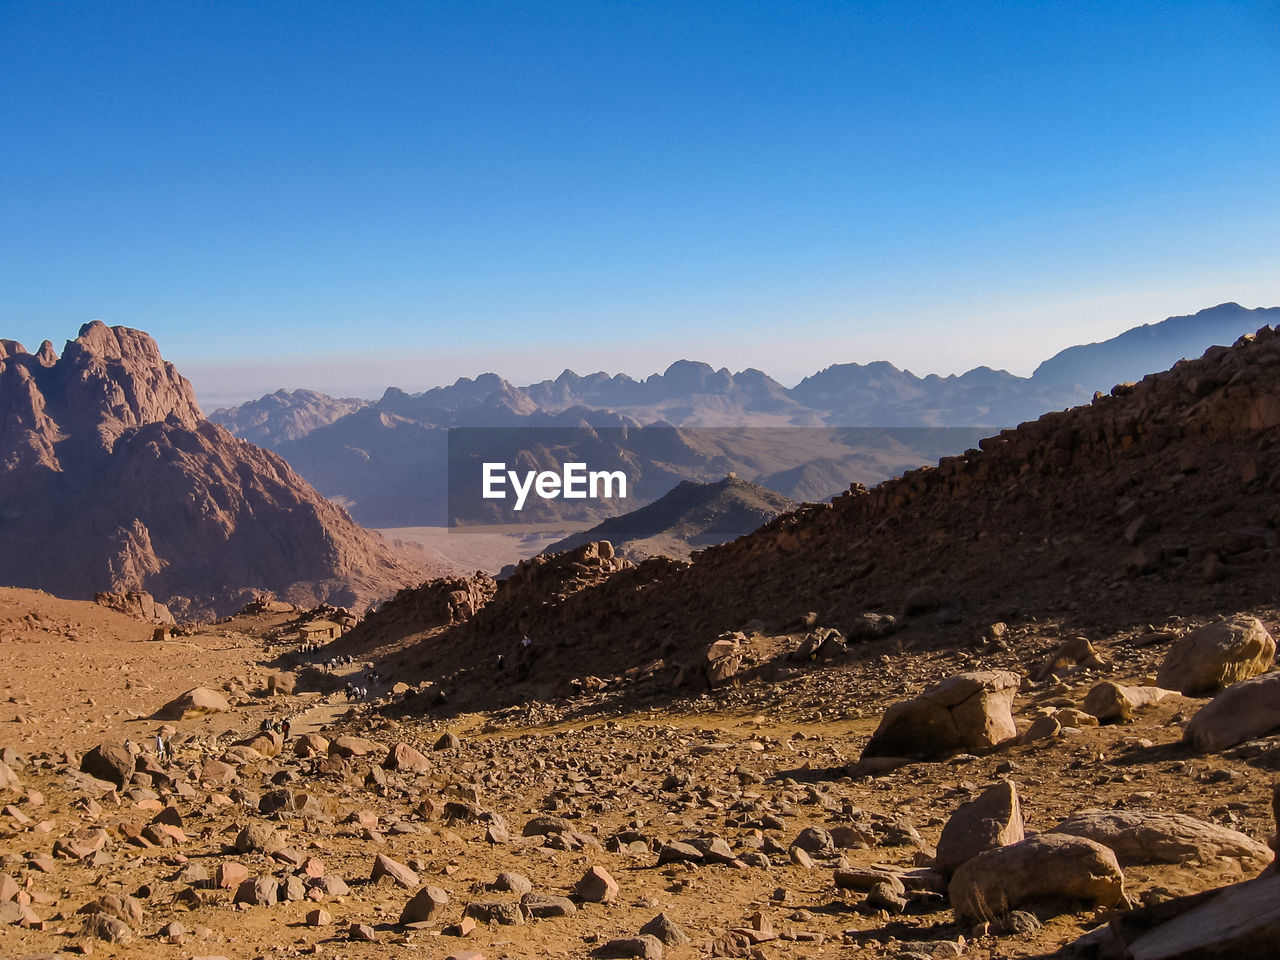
pixel 735 821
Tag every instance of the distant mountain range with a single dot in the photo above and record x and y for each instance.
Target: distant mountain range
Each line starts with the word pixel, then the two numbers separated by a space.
pixel 385 460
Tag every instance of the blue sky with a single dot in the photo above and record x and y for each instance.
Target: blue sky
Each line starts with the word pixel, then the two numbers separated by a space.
pixel 350 195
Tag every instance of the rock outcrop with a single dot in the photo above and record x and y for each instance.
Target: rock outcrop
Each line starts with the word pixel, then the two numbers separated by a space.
pixel 1047 868
pixel 1241 712
pixel 1139 836
pixel 993 819
pixel 1217 655
pixel 970 711
pixel 113 481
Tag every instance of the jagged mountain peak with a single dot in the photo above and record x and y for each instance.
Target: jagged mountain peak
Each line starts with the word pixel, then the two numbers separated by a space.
pixel 111 479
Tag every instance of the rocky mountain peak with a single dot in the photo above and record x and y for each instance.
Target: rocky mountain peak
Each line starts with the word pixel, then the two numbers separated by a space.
pixel 114 378
pixel 112 479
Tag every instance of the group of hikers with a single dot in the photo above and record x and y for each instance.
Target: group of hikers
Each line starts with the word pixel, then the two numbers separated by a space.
pixel 333 663
pixel 163 747
pixel 276 725
pixel 524 661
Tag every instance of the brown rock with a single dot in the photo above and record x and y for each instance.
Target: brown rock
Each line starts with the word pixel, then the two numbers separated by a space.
pixel 994 819
pixel 1042 728
pixel 447 741
pixel 541 907
pixel 196 702
pixel 405 758
pixel 645 946
pixel 1074 654
pixel 1217 655
pixel 230 875
pixel 1243 711
pixel 310 745
pixel 970 711
pixel 281 684
pixel 347 747
pixel 384 866
pixel 258 891
pixel 110 929
pixel 1045 868
pixel 597 886
pixel 259 838
pixel 110 762
pixel 495 911
pixel 666 930
pixel 1113 702
pixel 424 905
pixel 1242 920
pixel 215 771
pixel 1139 837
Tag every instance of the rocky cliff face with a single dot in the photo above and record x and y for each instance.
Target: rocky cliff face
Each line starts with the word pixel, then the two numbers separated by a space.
pixel 112 479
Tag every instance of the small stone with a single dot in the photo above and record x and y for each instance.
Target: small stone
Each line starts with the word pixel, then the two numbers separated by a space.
pixel 666 930
pixel 597 886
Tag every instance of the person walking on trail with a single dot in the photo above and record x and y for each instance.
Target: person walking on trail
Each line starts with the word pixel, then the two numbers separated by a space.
pixel 159 747
pixel 284 728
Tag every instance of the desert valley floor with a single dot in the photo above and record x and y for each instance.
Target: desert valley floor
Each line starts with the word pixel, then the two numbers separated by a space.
pixel 736 814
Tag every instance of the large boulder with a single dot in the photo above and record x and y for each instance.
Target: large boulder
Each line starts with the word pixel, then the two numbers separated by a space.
pixel 992 820
pixel 1243 711
pixel 348 746
pixel 1217 655
pixel 1113 702
pixel 111 762
pixel 268 743
pixel 196 702
pixel 970 711
pixel 1139 836
pixel 406 758
pixel 1239 921
pixel 310 745
pixel 1042 869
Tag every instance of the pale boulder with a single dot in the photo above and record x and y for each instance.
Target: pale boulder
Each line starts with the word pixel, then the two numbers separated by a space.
pixel 1218 655
pixel 1045 868
pixel 992 820
pixel 196 702
pixel 1243 711
pixel 1116 703
pixel 970 711
pixel 1140 837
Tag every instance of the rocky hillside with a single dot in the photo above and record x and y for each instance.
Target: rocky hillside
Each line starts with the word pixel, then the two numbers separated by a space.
pixel 111 479
pixel 691 517
pixel 1160 495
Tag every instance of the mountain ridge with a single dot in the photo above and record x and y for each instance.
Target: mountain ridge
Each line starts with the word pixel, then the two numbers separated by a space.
pixel 384 460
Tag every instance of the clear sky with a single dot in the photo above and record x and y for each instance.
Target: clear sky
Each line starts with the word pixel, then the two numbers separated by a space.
pixel 350 195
